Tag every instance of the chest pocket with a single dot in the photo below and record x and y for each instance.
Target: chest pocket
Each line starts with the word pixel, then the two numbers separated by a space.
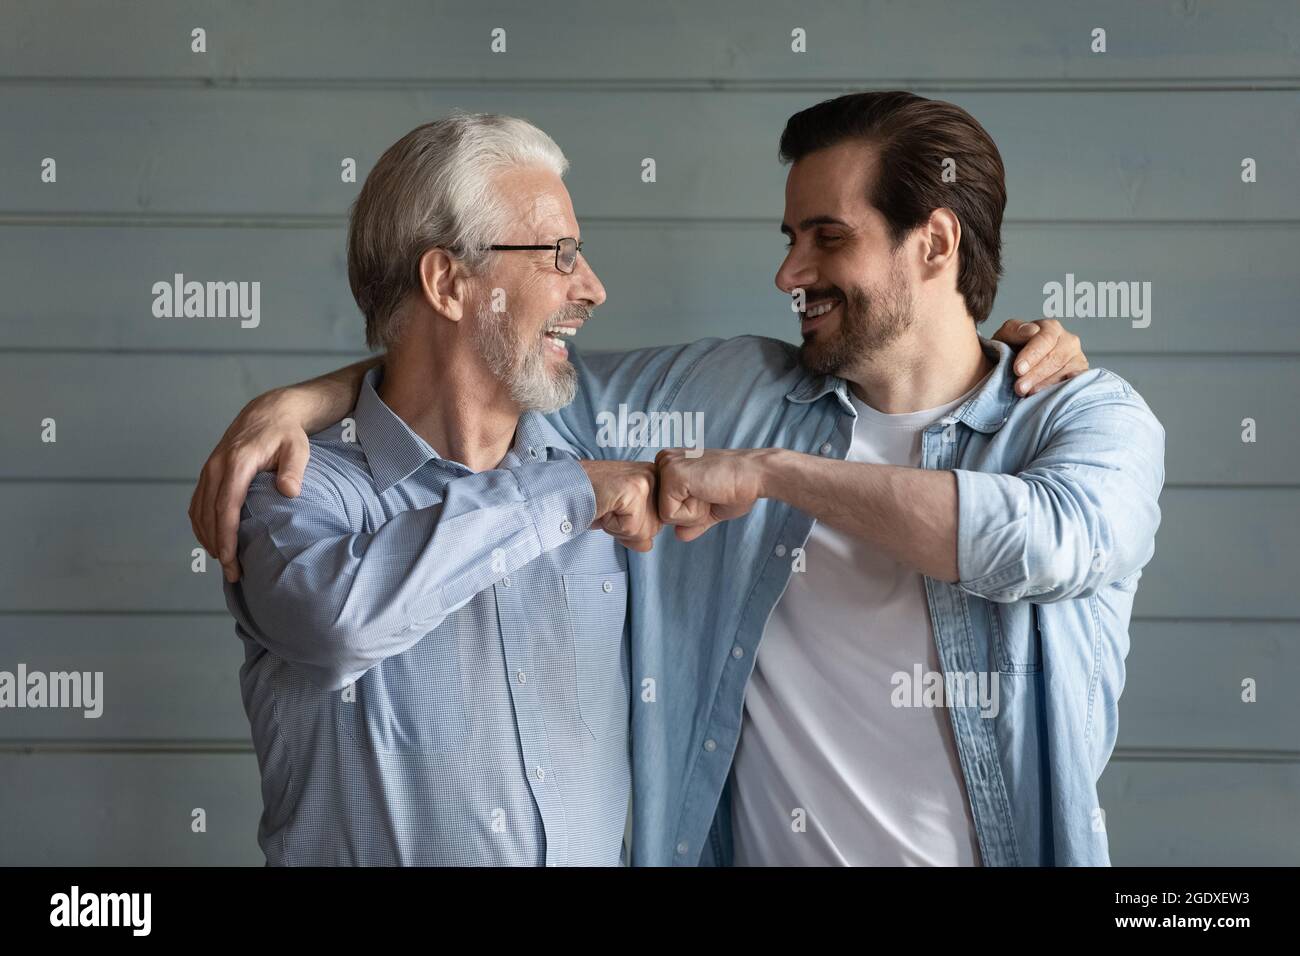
pixel 1016 637
pixel 597 605
pixel 412 703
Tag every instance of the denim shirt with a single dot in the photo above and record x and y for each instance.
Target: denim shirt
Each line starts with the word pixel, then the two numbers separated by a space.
pixel 1057 514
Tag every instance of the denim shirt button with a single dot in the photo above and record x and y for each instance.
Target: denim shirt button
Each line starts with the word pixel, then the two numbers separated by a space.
pixel 710 745
pixel 737 652
pixel 826 448
pixel 682 848
pixel 780 551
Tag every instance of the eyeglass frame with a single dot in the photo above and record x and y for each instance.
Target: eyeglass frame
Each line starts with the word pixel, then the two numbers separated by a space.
pixel 556 247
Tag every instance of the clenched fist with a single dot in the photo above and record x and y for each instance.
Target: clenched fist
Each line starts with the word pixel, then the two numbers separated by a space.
pixel 625 501
pixel 697 493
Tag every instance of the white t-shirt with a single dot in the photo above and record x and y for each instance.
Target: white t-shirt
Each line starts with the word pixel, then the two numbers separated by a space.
pixel 828 771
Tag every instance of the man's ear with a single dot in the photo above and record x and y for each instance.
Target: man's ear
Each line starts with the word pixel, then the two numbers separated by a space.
pixel 444 283
pixel 943 236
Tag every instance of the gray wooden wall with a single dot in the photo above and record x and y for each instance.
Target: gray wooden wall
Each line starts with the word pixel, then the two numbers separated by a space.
pixel 226 166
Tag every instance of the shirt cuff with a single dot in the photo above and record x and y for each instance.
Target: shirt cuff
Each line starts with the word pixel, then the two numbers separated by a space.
pixel 560 499
pixel 992 530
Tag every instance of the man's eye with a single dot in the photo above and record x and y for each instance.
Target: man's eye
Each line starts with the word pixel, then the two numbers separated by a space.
pixel 829 240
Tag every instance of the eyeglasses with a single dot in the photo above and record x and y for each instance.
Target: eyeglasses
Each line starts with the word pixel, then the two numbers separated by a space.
pixel 566 253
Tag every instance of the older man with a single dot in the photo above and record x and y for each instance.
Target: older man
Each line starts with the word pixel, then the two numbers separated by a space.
pixel 436 670
pixel 698 611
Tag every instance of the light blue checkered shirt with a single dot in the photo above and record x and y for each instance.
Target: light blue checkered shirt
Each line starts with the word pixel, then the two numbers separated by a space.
pixel 436 667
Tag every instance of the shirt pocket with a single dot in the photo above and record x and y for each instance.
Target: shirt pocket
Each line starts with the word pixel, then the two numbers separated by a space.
pixel 413 702
pixel 1015 637
pixel 597 606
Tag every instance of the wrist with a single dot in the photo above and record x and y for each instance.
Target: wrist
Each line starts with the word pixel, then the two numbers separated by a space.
pixel 771 465
pixel 299 405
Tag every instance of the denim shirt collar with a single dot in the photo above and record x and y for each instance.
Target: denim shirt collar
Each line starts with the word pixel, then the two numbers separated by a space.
pixel 394 451
pixel 985 411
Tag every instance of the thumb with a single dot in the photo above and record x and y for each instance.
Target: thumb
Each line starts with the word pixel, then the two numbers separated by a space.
pixel 292 465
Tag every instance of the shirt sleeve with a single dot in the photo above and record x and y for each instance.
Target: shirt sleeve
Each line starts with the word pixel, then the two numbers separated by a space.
pixel 1083 515
pixel 338 601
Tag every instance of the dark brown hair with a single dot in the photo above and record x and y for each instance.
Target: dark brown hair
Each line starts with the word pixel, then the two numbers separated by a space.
pixel 914 136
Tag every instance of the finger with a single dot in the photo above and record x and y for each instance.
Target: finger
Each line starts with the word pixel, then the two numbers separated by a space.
pixel 635 543
pixel 1060 358
pixel 291 465
pixel 686 511
pixel 230 499
pixel 1015 332
pixel 671 496
pixel 1043 374
pixel 1038 347
pixel 1076 367
pixel 208 505
pixel 691 532
pixel 196 509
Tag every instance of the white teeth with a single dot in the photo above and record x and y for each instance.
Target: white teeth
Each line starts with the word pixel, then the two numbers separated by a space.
pixel 821 309
pixel 563 330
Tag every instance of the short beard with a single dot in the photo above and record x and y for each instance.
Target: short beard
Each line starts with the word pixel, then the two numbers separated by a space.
pixel 525 371
pixel 870 323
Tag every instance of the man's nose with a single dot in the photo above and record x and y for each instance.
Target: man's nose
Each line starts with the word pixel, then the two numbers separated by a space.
pixel 795 273
pixel 586 284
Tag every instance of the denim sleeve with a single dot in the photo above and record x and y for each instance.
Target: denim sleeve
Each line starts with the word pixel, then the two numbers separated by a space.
pixel 1083 514
pixel 338 601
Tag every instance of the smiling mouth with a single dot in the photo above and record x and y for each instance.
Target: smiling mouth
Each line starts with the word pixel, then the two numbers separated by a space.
pixel 813 314
pixel 557 336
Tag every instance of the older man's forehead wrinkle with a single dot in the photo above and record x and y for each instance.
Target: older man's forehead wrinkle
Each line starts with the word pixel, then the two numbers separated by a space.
pixel 542 221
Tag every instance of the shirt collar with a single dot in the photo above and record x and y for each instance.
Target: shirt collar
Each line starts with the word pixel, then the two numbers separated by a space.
pixel 394 451
pixel 985 411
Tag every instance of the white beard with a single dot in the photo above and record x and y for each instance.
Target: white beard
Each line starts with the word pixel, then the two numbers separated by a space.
pixel 533 384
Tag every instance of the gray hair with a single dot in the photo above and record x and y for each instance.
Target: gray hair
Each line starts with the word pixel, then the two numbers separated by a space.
pixel 433 189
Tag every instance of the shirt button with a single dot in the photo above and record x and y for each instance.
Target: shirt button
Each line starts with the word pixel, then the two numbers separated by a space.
pixel 566 526
pixel 682 848
pixel 505 582
pixel 737 652
pixel 539 773
pixel 780 551
pixel 826 448
pixel 607 586
pixel 532 453
pixel 521 677
pixel 710 745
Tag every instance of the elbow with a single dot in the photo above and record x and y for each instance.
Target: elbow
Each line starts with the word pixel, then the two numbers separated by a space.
pixel 304 633
pixel 1078 561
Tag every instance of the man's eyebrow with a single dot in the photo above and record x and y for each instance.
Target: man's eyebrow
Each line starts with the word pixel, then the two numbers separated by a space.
pixel 815 221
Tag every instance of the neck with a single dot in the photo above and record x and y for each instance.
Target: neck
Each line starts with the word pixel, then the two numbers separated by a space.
pixel 453 402
pixel 931 364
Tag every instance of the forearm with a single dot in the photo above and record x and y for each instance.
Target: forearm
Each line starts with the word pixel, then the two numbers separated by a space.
pixel 323 400
pixel 910 513
pixel 342 602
